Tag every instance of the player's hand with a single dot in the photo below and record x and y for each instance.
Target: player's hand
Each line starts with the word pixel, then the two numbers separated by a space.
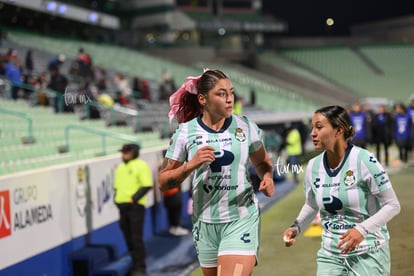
pixel 350 240
pixel 289 236
pixel 267 186
pixel 203 155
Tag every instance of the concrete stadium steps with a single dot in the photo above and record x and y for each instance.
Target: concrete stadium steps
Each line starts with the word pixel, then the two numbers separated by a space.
pixel 120 59
pixel 133 62
pixel 49 135
pixel 353 68
pixel 268 96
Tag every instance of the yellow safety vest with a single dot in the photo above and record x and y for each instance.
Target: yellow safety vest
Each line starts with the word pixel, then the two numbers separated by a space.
pixel 129 178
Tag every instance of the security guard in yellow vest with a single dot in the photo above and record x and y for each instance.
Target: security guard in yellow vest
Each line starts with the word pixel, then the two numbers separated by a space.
pixel 133 179
pixel 293 149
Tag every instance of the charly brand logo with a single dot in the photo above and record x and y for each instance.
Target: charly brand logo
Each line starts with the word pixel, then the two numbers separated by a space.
pixel 76 96
pixel 283 168
pixel 5 223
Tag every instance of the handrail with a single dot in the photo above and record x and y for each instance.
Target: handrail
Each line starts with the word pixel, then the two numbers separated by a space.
pixel 34 90
pixel 25 116
pixel 114 109
pixel 100 132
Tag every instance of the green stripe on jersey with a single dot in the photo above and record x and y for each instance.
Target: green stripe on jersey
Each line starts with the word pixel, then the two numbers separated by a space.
pixel 221 190
pixel 346 197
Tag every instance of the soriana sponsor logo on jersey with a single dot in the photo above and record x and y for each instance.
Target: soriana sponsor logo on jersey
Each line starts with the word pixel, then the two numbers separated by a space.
pixel 5 216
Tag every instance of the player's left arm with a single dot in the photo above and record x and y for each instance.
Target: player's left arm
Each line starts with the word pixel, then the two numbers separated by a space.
pixel 264 169
pixel 380 186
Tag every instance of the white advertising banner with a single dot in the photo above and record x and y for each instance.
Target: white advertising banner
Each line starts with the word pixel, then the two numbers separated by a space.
pixel 33 214
pixel 92 193
pixel 45 208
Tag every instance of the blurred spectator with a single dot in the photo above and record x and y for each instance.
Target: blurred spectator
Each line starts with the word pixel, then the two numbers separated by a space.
pixel 369 114
pixel 410 111
pixel 252 97
pixel 41 81
pixel 58 84
pixel 382 132
pixel 167 86
pixel 28 62
pixel 100 78
pixel 173 204
pixel 402 134
pixel 12 54
pixel 123 89
pixel 141 89
pixel 56 61
pixel 29 88
pixel 40 85
pixel 293 146
pixel 145 90
pixel 136 88
pixel 106 100
pixel 238 105
pixel 3 63
pixel 84 61
pixel 359 123
pixel 13 73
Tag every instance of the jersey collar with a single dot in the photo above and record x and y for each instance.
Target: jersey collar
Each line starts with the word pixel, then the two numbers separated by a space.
pixel 226 124
pixel 338 169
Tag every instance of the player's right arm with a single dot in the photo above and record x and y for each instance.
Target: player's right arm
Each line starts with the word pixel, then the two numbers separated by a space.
pixel 174 172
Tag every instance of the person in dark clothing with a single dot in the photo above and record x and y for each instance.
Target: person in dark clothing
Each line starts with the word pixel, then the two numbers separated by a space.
pixel 382 132
pixel 58 84
pixel 359 122
pixel 173 203
pixel 56 62
pixel 133 180
pixel 28 62
pixel 13 73
pixel 402 131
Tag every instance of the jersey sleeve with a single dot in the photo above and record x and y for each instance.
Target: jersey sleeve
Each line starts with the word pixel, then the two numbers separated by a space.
pixel 177 149
pixel 374 173
pixel 255 134
pixel 310 208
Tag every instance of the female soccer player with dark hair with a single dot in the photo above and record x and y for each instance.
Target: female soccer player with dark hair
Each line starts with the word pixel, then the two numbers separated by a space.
pixel 214 147
pixel 355 198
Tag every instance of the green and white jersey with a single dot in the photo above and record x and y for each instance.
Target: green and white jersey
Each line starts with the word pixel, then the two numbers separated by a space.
pixel 346 197
pixel 221 190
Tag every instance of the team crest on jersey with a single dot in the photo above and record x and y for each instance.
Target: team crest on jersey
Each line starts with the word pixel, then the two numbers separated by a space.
pixel 240 136
pixel 349 178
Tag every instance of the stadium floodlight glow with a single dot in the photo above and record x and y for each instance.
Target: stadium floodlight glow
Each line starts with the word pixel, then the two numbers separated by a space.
pixel 330 21
pixel 93 17
pixel 62 9
pixel 51 6
pixel 221 31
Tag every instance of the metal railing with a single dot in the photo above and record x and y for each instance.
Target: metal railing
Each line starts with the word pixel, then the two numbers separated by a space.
pixel 99 132
pixel 30 138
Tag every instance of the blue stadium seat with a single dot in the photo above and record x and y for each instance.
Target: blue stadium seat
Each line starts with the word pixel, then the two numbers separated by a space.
pixel 85 260
pixel 119 267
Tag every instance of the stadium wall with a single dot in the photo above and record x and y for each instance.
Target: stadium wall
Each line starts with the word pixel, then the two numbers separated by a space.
pixel 47 214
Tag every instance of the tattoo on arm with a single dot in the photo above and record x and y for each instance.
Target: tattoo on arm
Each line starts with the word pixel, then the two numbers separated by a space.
pixel 172 183
pixel 263 168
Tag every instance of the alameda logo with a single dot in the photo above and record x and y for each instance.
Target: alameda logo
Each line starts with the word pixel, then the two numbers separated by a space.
pixel 5 227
